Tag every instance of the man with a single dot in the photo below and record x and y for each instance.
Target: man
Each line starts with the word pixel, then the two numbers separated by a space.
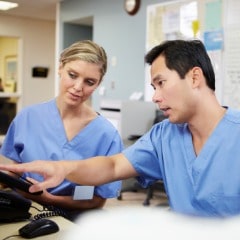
pixel 195 151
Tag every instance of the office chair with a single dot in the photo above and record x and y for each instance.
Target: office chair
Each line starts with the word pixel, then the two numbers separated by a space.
pixel 132 185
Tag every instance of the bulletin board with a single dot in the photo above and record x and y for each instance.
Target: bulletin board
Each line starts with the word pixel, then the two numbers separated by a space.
pixel 216 23
pixel 231 90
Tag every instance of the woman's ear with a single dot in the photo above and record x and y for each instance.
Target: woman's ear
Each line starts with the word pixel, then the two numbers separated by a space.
pixel 60 68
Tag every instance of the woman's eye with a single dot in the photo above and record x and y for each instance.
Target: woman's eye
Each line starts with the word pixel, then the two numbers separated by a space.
pixel 90 82
pixel 72 75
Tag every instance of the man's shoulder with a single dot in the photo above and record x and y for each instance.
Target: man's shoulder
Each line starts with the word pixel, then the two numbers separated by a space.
pixel 232 115
pixel 168 128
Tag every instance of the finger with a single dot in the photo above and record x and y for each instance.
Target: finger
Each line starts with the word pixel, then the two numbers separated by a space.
pixel 39 186
pixel 12 167
pixel 32 180
pixel 35 188
pixel 19 168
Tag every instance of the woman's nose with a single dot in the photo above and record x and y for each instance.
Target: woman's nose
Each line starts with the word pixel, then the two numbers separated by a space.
pixel 78 86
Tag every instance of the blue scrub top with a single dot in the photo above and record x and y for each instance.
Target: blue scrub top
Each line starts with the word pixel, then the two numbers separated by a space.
pixel 37 132
pixel 207 184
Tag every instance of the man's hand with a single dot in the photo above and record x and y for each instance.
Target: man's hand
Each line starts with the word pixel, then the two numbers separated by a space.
pixel 52 172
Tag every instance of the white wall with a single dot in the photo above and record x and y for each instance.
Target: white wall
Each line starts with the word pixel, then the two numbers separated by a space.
pixel 123 37
pixel 37 48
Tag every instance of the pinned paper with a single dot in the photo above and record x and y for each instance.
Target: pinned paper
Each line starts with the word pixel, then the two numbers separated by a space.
pixel 195 27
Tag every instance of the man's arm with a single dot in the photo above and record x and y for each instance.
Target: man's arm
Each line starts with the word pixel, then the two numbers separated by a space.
pixel 99 170
pixel 93 171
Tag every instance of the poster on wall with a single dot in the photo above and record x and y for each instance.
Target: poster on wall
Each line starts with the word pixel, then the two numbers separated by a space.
pixel 217 26
pixel 231 96
pixel 10 78
pixel 168 21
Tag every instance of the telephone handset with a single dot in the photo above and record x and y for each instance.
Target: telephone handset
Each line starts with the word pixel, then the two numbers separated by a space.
pixel 17 182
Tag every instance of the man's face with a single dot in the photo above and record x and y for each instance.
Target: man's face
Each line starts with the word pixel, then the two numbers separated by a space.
pixel 172 94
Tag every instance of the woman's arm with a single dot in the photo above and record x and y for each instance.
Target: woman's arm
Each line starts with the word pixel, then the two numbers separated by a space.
pixel 66 202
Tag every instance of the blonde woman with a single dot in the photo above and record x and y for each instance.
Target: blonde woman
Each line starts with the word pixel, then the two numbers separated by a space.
pixel 66 127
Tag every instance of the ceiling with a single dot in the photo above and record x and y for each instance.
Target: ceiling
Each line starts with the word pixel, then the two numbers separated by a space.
pixel 40 9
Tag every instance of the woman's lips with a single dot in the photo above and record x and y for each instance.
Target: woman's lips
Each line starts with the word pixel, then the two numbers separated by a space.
pixel 74 96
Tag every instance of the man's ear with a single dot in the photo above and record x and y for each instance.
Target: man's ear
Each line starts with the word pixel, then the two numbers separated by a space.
pixel 197 76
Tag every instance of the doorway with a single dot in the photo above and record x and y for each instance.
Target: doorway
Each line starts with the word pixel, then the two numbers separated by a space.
pixel 76 30
pixel 9 80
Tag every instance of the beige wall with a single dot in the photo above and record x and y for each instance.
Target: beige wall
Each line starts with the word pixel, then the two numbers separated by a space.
pixel 36 48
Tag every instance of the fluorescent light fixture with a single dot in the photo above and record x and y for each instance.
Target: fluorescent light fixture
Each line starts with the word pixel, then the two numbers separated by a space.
pixel 7 5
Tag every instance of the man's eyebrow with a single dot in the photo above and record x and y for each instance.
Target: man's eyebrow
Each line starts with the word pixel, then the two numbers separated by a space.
pixel 156 78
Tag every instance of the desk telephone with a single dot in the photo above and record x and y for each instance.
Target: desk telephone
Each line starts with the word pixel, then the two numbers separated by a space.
pixel 14 207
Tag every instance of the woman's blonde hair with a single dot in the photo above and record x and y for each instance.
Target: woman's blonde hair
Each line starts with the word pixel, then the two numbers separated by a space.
pixel 87 51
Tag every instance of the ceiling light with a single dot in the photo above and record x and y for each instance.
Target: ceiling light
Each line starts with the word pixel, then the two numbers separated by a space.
pixel 7 5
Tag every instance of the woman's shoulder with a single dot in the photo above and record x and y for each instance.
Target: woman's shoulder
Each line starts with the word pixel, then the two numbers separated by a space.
pixel 105 122
pixel 37 108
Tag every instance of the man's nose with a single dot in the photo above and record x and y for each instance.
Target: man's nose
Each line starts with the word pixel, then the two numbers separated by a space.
pixel 156 96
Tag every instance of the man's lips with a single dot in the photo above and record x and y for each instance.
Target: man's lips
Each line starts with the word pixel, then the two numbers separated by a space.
pixel 165 110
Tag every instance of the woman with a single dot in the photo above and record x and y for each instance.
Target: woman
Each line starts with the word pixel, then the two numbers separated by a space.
pixel 66 127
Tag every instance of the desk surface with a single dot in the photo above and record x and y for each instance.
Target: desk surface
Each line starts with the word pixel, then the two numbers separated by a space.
pixel 9 229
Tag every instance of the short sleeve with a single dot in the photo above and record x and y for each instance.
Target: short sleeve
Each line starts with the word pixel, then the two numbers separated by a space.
pixel 145 155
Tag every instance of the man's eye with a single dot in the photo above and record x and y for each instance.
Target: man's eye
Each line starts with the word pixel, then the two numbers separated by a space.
pixel 154 88
pixel 161 82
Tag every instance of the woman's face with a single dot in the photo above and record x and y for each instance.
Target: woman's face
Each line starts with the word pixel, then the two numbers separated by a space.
pixel 78 80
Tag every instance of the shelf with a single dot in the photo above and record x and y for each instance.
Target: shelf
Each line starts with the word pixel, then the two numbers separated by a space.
pixel 10 95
